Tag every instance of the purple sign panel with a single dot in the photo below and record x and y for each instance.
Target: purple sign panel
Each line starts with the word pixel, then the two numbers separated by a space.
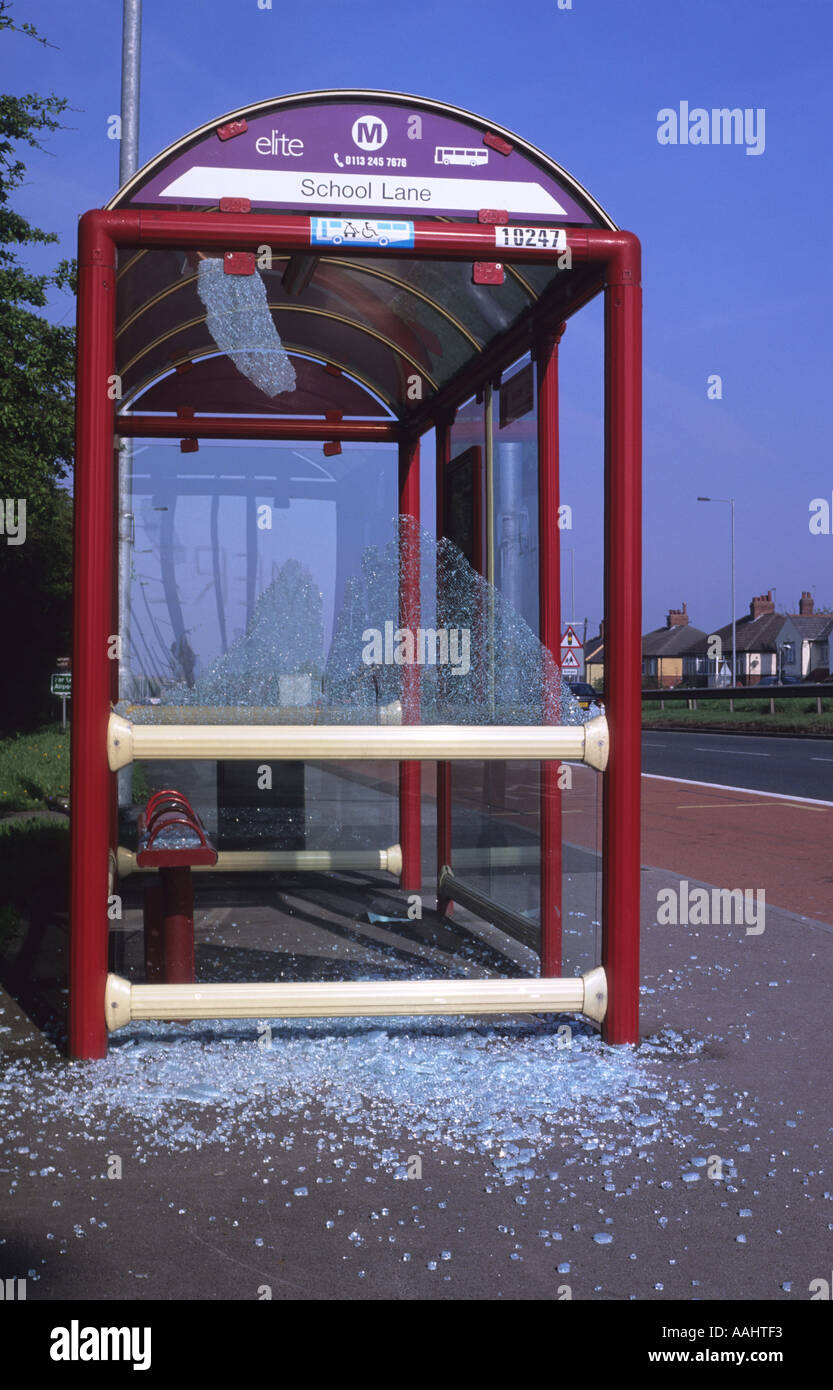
pixel 373 157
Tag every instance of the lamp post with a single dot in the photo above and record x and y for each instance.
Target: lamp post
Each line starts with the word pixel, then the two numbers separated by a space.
pixel 731 502
pixel 130 63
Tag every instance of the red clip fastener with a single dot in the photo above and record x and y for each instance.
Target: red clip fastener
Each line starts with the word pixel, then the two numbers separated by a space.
pixel 496 142
pixel 189 446
pixel 235 205
pixel 332 370
pixel 487 273
pixel 239 263
pixel 495 217
pixel 333 447
pixel 333 415
pixel 232 128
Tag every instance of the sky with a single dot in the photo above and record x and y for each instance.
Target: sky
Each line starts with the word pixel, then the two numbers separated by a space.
pixel 736 263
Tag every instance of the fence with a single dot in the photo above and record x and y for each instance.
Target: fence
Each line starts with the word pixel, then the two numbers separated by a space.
pixel 691 694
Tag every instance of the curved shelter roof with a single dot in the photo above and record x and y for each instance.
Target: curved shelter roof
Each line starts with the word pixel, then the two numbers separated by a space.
pixel 355 329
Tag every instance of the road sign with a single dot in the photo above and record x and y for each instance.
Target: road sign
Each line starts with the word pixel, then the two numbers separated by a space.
pixel 570 662
pixel 571 639
pixel 60 683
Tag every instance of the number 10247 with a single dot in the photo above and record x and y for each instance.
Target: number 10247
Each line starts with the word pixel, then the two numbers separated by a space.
pixel 538 238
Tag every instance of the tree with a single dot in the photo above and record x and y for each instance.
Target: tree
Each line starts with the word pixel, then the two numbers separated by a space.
pixel 36 426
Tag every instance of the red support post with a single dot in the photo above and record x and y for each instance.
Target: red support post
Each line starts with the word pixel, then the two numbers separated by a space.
pixel 153 916
pixel 410 779
pixel 549 626
pixel 177 890
pixel 443 448
pixel 92 783
pixel 623 627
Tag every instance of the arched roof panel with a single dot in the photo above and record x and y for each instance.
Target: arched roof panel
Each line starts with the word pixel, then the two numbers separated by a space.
pixel 345 157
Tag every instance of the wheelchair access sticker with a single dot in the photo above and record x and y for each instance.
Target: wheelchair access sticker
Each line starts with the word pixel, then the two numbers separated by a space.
pixel 539 238
pixel 338 231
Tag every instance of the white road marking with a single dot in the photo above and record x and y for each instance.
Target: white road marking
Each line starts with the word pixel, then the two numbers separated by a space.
pixel 750 791
pixel 734 752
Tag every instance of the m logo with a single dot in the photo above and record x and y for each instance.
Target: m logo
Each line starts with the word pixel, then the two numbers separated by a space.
pixel 369 133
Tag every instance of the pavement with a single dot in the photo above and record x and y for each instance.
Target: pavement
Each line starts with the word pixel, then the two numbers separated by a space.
pixel 436 1159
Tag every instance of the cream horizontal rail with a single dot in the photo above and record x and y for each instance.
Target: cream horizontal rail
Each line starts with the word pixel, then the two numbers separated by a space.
pixel 253 861
pixel 587 743
pixel 585 994
pixel 306 715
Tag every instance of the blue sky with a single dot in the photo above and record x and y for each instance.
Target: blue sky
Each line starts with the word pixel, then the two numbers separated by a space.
pixel 736 246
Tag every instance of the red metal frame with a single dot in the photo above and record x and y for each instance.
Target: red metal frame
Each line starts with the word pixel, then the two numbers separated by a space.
pixel 462 241
pixel 549 631
pixel 617 256
pixel 443 454
pixel 241 427
pixel 410 773
pixel 623 640
pixel 94 587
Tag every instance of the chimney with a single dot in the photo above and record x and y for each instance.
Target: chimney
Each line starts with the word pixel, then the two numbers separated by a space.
pixel 602 629
pixel 677 617
pixel 761 605
pixel 806 605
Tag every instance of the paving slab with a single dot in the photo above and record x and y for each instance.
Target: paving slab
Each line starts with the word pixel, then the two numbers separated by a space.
pixel 434 1159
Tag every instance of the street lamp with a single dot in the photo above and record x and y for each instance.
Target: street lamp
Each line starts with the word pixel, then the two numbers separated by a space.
pixel 731 502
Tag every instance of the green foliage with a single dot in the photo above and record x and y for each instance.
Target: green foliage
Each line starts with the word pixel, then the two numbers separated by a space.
pixel 34 872
pixel 34 768
pixel 791 716
pixel 37 366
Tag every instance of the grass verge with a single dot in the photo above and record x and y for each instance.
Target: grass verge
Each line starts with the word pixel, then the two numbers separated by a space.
pixel 791 716
pixel 34 869
pixel 34 770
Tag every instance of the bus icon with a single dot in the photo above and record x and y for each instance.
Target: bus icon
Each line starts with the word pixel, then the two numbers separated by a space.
pixel 336 231
pixel 452 154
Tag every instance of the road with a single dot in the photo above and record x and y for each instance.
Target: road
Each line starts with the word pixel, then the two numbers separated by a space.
pixel 786 766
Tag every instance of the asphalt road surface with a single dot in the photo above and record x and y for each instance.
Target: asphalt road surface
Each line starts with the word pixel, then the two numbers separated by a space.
pixel 787 766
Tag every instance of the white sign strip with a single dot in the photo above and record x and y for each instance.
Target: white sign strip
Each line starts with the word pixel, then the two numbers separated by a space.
pixel 537 238
pixel 395 190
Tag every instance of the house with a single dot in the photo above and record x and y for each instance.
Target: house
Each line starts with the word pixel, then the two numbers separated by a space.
pixel 757 640
pixel 594 658
pixel 780 644
pixel 664 651
pixel 768 644
pixel 804 642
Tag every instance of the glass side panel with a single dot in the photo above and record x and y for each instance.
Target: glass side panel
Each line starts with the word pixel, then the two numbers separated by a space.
pixel 242 561
pixel 496 807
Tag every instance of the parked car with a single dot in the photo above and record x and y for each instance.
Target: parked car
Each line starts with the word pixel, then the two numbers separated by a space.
pixel 585 694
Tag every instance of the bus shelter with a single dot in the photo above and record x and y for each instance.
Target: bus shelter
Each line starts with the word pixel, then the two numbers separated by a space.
pixel 281 318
